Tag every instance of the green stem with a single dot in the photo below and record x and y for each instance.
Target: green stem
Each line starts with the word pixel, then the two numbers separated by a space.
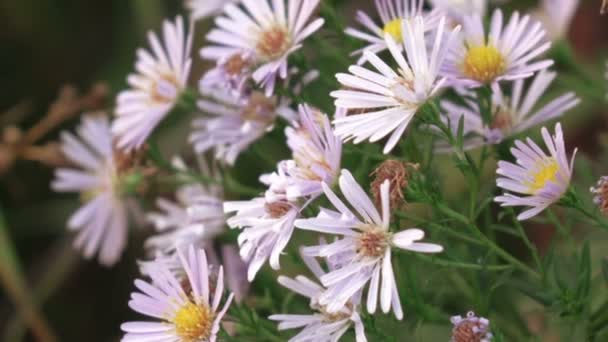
pixel 526 240
pixel 463 265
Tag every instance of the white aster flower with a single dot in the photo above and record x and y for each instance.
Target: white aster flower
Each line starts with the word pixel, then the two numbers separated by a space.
pixel 506 53
pixel 238 122
pixel 102 222
pixel 316 155
pixel 197 215
pixel 184 306
pixel 511 115
pixel 389 98
pixel 161 78
pixel 200 9
pixel 320 326
pixel 270 30
pixel 392 15
pixel 365 248
pixel 556 16
pixel 470 328
pixel 266 229
pixel 541 178
pixel 457 10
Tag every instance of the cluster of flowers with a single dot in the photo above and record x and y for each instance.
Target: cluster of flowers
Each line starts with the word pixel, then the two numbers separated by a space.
pixel 431 50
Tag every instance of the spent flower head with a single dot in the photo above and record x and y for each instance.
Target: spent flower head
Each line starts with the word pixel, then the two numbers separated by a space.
pixel 470 329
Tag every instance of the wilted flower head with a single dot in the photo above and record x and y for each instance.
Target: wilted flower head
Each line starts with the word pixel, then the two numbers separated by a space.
pixel 601 194
pixel 504 53
pixel 365 248
pixel 187 307
pixel 470 329
pixel 512 114
pixel 161 78
pixel 540 177
pixel 392 15
pixel 397 173
pixel 270 31
pixel 321 325
pixel 102 222
pixel 390 98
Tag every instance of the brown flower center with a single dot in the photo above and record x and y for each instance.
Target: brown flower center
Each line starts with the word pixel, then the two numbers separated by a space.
pixel 260 108
pixel 502 121
pixel 373 241
pixel 273 43
pixel 468 331
pixel 166 89
pixel 236 64
pixel 278 209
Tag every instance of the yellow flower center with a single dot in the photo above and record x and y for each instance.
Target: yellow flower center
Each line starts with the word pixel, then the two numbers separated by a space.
pixel 483 63
pixel 193 322
pixel 546 172
pixel 393 28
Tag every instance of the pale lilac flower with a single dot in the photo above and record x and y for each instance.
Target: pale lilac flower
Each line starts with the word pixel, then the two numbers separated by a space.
pixel 270 30
pixel 390 98
pixel 316 155
pixel 470 328
pixel 365 247
pixel 160 80
pixel 236 272
pixel 231 73
pixel 266 229
pixel 196 217
pixel 238 122
pixel 504 53
pixel 540 178
pixel 185 308
pixel 320 326
pixel 392 15
pixel 457 10
pixel 556 16
pixel 512 114
pixel 201 9
pixel 102 222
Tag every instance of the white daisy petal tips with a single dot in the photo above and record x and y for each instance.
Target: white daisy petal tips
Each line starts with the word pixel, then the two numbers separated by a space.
pixel 541 178
pixel 187 307
pixel 102 222
pixel 271 31
pixel 392 14
pixel 322 325
pixel 161 78
pixel 503 53
pixel 389 98
pixel 364 250
pixel 201 9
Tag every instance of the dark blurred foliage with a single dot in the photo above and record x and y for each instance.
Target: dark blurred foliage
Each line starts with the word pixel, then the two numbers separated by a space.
pixel 46 44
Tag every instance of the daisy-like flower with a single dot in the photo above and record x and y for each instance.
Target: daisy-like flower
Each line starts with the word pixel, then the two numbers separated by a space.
pixel 389 98
pixel 366 247
pixel 316 154
pixel 506 53
pixel 185 307
pixel 197 215
pixel 231 73
pixel 321 326
pixel 266 229
pixel 102 222
pixel 511 115
pixel 238 122
pixel 392 15
pixel 457 10
pixel 160 80
pixel 270 30
pixel 540 178
pixel 470 328
pixel 205 8
pixel 556 16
